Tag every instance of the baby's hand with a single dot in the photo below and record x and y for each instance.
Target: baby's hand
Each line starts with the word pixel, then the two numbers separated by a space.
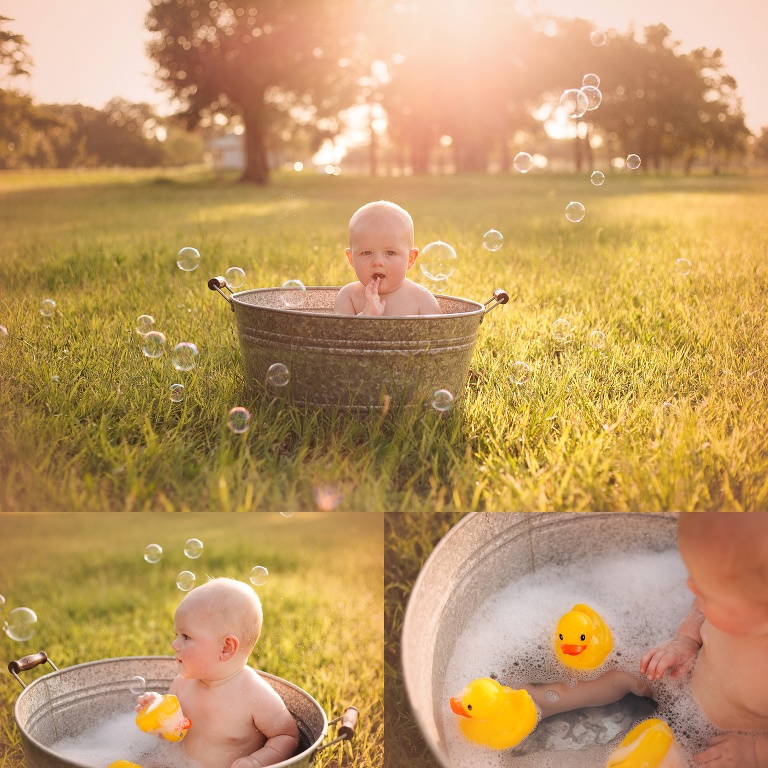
pixel 675 655
pixel 729 751
pixel 145 699
pixel 374 306
pixel 246 762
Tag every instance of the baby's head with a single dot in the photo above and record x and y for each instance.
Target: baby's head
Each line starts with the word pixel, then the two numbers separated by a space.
pixel 726 554
pixel 219 621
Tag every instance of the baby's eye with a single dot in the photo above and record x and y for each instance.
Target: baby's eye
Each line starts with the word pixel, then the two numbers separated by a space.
pixel 391 253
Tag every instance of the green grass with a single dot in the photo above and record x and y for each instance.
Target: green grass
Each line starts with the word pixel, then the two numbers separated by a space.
pixel 96 598
pixel 589 429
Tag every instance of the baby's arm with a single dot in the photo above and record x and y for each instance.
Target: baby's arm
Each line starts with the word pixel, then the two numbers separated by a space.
pixel 343 304
pixel 676 653
pixel 735 749
pixel 428 304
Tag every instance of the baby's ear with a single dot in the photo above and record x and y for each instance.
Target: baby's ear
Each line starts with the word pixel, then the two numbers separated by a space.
pixel 349 257
pixel 412 257
pixel 229 647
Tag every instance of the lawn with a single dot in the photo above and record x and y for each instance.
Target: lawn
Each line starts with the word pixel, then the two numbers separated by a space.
pixel 96 598
pixel 670 413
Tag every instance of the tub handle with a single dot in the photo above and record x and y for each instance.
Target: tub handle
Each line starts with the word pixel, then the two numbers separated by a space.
pixel 347 728
pixel 217 283
pixel 29 662
pixel 500 296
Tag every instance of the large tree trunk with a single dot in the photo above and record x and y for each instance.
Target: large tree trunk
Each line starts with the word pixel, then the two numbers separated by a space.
pixel 256 167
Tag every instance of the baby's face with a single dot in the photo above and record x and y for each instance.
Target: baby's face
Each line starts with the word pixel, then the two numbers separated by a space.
pixel 381 248
pixel 198 647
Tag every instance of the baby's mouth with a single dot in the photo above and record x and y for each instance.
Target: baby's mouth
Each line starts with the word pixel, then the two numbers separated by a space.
pixel 378 276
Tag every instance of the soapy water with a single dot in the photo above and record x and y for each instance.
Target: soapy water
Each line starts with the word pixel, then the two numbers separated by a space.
pixel 119 738
pixel 641 596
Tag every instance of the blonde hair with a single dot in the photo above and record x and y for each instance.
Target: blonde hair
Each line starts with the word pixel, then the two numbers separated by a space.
pixel 378 210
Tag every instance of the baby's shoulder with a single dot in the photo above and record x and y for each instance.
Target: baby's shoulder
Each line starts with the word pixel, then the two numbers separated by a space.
pixel 427 303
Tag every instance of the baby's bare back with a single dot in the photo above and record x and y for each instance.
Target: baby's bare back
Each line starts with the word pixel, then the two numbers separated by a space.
pixel 730 680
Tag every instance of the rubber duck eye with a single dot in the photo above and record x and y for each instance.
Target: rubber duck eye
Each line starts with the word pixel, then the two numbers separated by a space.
pixel 561 637
pixel 583 637
pixel 469 706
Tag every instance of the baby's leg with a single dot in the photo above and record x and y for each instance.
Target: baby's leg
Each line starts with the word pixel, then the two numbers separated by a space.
pixel 606 689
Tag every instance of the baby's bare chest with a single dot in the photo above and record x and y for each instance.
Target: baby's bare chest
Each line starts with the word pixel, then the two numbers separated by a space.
pixel 223 720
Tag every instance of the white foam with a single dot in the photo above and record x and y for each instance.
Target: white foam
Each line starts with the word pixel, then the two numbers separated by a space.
pixel 642 598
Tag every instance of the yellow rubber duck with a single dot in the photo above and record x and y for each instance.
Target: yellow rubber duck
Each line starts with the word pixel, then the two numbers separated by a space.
pixel 582 639
pixel 123 764
pixel 494 715
pixel 163 715
pixel 648 745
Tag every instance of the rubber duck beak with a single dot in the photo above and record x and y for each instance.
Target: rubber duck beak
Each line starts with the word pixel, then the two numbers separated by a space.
pixel 457 707
pixel 572 650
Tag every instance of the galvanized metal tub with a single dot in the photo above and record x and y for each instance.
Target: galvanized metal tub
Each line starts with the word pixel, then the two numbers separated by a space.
pixel 65 702
pixel 358 363
pixel 482 554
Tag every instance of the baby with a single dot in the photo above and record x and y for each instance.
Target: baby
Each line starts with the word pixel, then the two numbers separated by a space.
pixel 724 638
pixel 238 721
pixel 381 252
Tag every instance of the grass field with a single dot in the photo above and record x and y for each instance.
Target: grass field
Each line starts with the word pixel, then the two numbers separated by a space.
pixel 670 414
pixel 96 598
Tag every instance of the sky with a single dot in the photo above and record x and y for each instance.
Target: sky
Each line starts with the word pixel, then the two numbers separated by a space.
pixel 89 51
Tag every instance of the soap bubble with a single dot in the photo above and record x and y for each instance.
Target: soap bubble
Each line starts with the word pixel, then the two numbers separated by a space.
pixel 235 278
pixel 278 375
pixel 598 38
pixel 594 97
pixel 438 260
pixel 442 400
pixel 327 497
pixel 259 575
pixel 293 293
pixel 520 372
pixel 47 307
pixel 523 162
pixel 185 581
pixel 574 102
pixel 184 356
pixel 154 344
pixel 287 513
pixel 188 259
pixel 682 266
pixel 493 240
pixel 153 553
pixel 597 339
pixel 238 419
pixel 193 548
pixel 439 286
pixel 144 324
pixel 633 162
pixel 21 624
pixel 177 393
pixel 597 178
pixel 590 80
pixel 561 329
pixel 137 685
pixel 574 212
pixel 2 601
pixel 552 695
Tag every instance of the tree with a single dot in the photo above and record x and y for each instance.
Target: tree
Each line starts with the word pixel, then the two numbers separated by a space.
pixel 264 62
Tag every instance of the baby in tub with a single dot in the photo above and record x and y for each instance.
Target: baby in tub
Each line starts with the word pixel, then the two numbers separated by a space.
pixel 724 639
pixel 381 252
pixel 238 721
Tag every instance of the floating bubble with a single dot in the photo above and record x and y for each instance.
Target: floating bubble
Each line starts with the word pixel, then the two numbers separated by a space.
pixel 327 497
pixel 2 602
pixel 574 102
pixel 439 286
pixel 185 581
pixel 594 96
pixel 520 372
pixel 633 162
pixel 188 259
pixel 176 393
pixel 597 339
pixel 259 575
pixel 574 212
pixel 47 307
pixel 442 400
pixel 278 375
pixel 438 260
pixel 153 553
pixel 21 624
pixel 523 162
pixel 293 293
pixel 193 548
pixel 552 695
pixel 144 324
pixel 590 80
pixel 154 344
pixel 137 685
pixel 184 356
pixel 682 266
pixel 287 514
pixel 598 38
pixel 238 419
pixel 235 277
pixel 561 329
pixel 597 178
pixel 493 240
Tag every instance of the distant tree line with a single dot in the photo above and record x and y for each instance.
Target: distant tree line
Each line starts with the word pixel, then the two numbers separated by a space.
pixel 479 73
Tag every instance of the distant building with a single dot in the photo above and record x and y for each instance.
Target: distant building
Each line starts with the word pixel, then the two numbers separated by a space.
pixel 227 152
